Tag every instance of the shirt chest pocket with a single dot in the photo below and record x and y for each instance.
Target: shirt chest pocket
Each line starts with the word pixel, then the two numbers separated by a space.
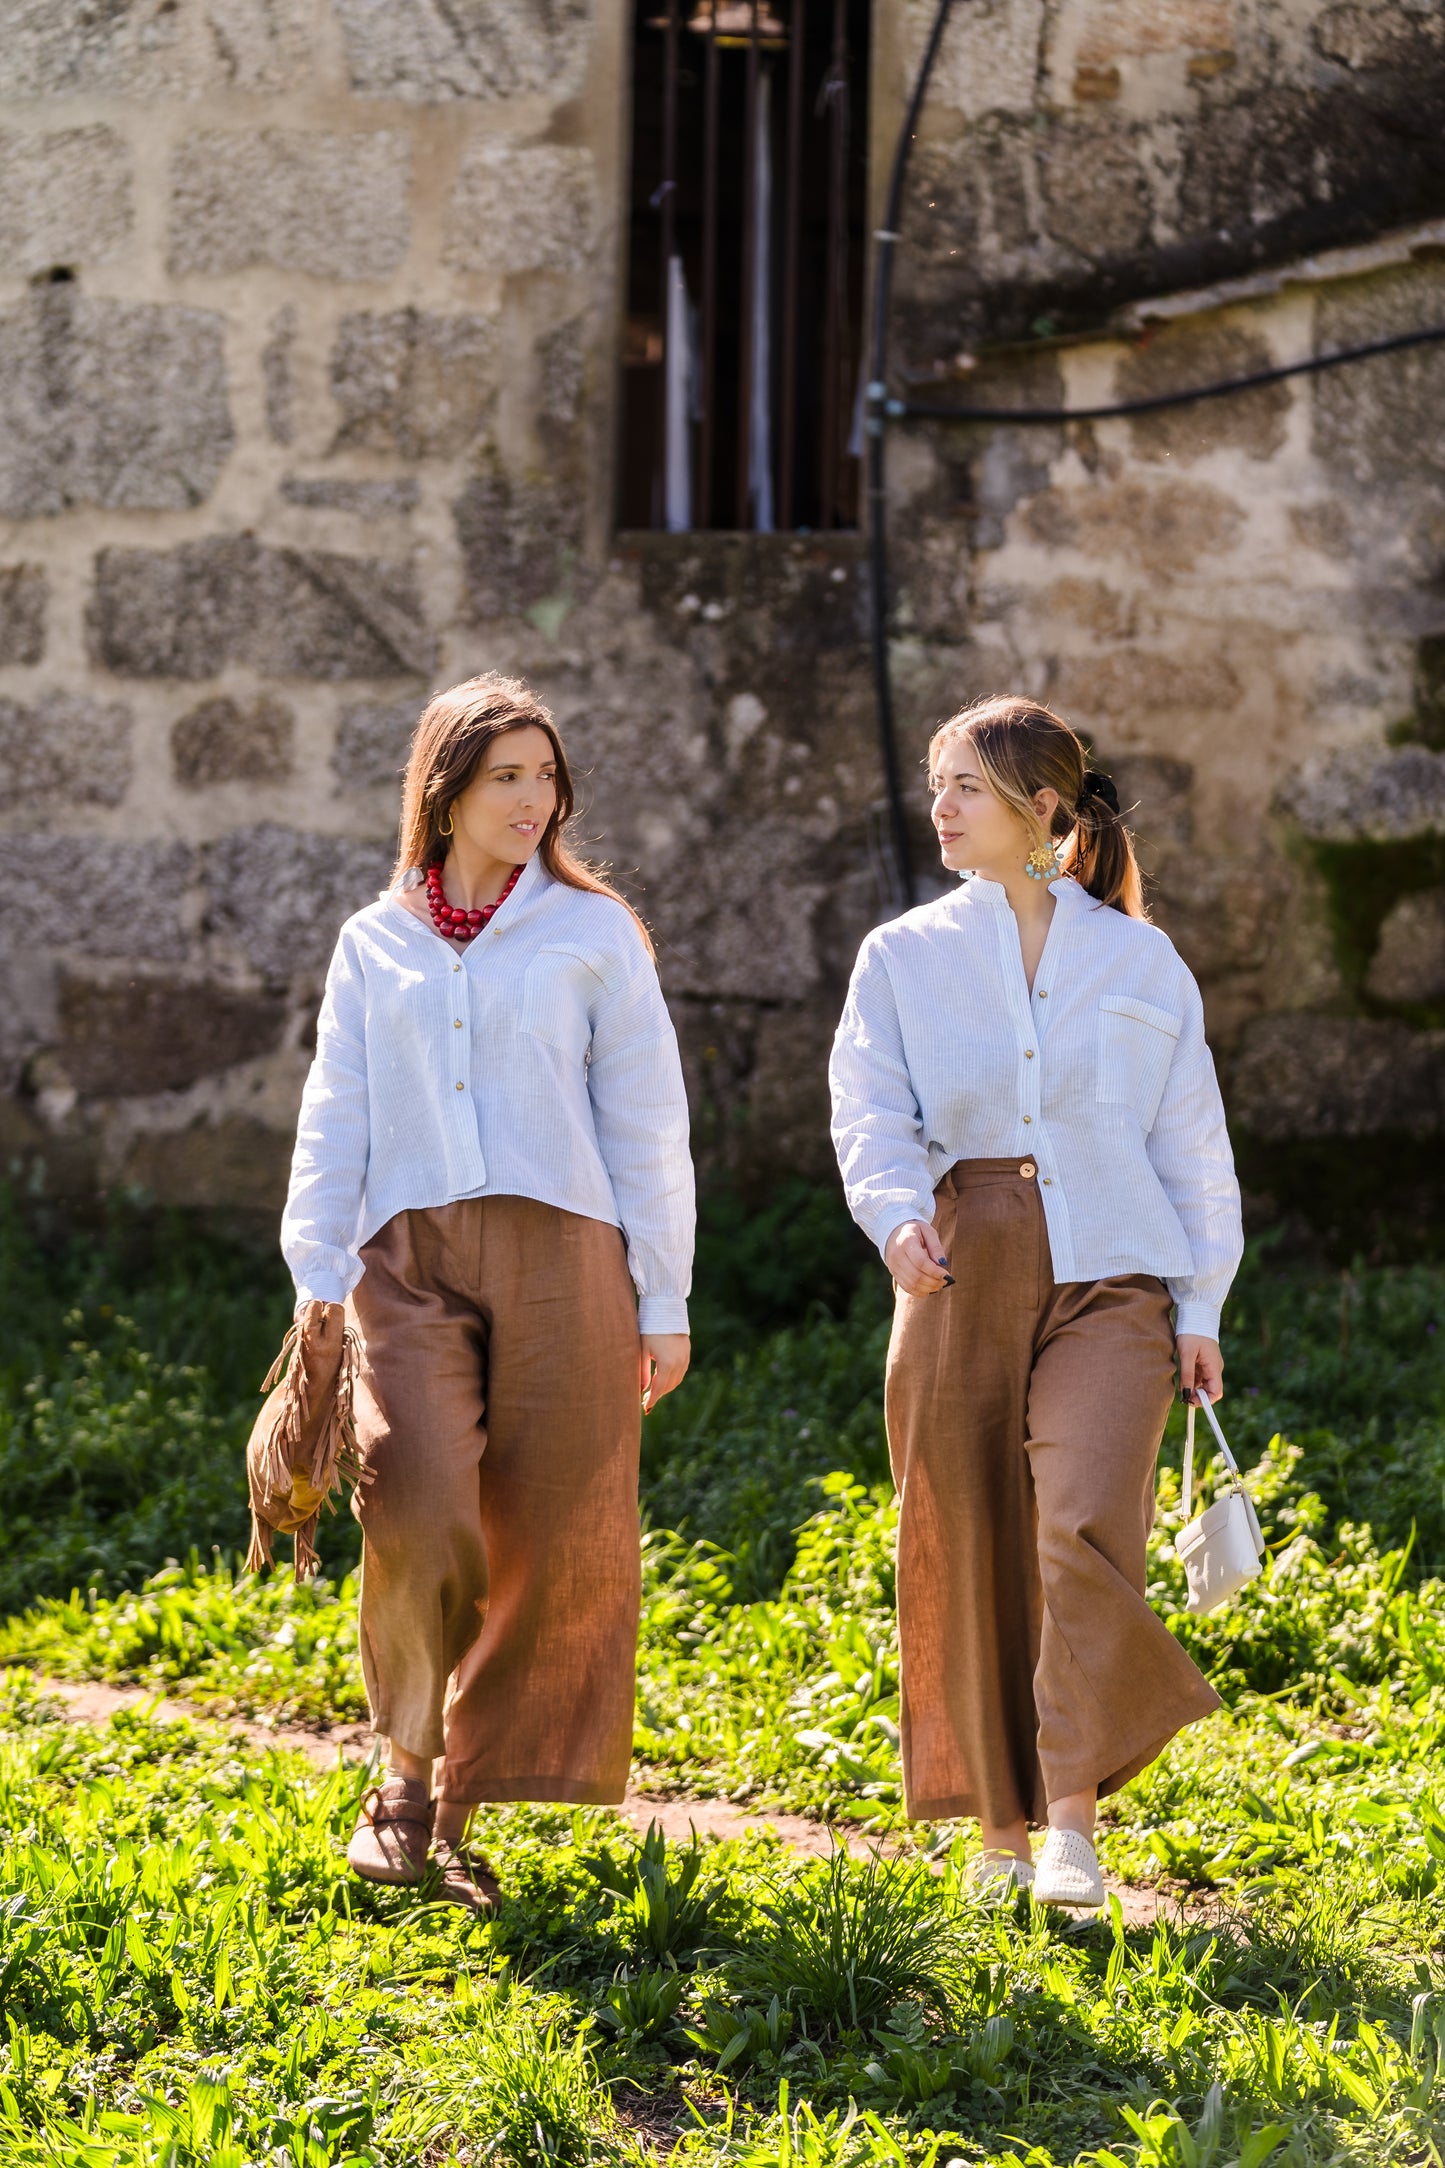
pixel 1136 1046
pixel 559 993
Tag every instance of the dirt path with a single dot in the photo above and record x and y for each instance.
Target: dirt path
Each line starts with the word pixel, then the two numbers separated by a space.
pixel 91 1702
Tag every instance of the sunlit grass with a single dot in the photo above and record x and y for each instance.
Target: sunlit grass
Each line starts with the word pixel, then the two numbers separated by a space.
pixel 186 1964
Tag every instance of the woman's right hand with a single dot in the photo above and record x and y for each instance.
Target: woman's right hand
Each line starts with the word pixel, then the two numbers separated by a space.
pixel 914 1256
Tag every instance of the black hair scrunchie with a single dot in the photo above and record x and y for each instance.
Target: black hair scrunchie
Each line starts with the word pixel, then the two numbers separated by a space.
pixel 1099 785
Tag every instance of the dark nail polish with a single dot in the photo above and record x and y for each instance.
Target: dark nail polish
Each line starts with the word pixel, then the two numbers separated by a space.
pixel 949 1280
pixel 944 1262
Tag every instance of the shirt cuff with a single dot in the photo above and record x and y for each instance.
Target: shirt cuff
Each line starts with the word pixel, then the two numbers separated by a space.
pixel 1197 1317
pixel 323 1287
pixel 662 1313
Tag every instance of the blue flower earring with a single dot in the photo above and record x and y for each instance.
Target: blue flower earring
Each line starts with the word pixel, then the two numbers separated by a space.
pixel 1042 863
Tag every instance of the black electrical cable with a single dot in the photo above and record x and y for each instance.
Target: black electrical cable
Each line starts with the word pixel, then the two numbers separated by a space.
pixel 877 396
pixel 925 410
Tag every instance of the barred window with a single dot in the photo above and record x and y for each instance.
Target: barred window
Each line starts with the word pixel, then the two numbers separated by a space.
pixel 742 347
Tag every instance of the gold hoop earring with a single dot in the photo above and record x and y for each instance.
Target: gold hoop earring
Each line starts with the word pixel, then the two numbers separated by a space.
pixel 449 828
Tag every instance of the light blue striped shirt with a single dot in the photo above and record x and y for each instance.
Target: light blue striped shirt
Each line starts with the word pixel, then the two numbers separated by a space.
pixel 1101 1077
pixel 538 1061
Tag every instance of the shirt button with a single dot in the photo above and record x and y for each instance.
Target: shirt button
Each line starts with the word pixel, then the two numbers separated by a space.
pixel 1028 1053
pixel 1048 1181
pixel 456 967
pixel 461 1087
pixel 457 1022
pixel 1043 993
pixel 1028 1117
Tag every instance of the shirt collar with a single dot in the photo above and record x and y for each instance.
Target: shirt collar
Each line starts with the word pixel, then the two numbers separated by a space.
pixel 1065 891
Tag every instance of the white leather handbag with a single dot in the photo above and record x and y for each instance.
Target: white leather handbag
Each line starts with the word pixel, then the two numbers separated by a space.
pixel 1221 1548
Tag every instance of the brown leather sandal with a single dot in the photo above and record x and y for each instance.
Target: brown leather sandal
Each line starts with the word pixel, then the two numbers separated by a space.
pixel 464 1878
pixel 393 1832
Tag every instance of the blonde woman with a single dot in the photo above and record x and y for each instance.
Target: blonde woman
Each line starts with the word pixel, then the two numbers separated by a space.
pixel 492 1173
pixel 1028 1125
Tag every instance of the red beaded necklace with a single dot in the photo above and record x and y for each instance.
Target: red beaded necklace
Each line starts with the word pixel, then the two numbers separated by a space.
pixel 455 925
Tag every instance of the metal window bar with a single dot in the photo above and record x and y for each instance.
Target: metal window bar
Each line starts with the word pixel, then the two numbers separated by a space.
pixel 769 382
pixel 835 338
pixel 702 496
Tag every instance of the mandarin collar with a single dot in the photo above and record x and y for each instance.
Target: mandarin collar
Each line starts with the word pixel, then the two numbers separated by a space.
pixel 1065 891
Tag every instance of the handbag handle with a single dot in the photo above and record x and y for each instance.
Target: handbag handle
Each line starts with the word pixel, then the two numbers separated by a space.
pixel 1213 1421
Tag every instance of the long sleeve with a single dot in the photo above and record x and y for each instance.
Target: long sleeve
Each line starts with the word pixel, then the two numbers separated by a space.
pixel 639 1112
pixel 1189 1150
pixel 877 1128
pixel 328 1168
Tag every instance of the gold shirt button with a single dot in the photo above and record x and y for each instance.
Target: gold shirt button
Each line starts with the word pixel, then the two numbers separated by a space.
pixel 1028 1117
pixel 1028 1170
pixel 461 1087
pixel 1048 1181
pixel 1028 1053
pixel 1043 993
pixel 457 1023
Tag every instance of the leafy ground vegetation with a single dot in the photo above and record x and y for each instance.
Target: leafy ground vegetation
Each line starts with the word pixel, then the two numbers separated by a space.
pixel 188 1975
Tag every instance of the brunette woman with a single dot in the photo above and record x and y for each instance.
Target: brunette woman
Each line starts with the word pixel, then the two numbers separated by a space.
pixel 1029 1127
pixel 492 1173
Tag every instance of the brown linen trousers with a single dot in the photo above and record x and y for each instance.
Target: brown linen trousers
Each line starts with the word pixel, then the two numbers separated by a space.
pixel 1024 1422
pixel 498 1408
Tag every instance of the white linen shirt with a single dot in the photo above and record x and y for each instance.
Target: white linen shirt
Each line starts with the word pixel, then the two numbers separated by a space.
pixel 538 1061
pixel 1101 1077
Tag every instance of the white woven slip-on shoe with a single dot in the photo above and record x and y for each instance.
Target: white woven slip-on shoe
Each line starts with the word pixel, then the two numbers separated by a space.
pixel 995 1877
pixel 1068 1872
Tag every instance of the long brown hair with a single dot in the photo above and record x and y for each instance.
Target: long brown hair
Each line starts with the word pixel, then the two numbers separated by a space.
pixel 1023 748
pixel 447 748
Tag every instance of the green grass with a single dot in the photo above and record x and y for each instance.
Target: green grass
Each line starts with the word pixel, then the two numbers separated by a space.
pixel 189 1975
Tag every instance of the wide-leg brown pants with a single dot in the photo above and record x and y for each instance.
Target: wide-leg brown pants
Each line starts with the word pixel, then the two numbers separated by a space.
pixel 1024 1422
pixel 499 1412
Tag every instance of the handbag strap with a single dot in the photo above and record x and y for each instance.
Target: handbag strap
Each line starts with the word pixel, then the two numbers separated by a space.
pixel 1213 1421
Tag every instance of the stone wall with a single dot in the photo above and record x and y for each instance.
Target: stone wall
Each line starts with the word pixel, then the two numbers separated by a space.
pixel 309 315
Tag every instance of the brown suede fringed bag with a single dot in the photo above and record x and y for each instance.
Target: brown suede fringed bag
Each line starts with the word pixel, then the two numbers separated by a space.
pixel 304 1441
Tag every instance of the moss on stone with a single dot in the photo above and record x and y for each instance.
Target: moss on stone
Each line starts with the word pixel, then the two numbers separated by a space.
pixel 1363 881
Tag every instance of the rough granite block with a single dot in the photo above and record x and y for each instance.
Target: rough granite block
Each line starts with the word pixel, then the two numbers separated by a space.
pixel 114 48
pixel 424 386
pixel 64 747
pixel 335 206
pixel 260 45
pixel 222 741
pixel 372 742
pixel 65 199
pixel 134 895
pixel 183 613
pixel 24 591
pixel 109 403
pixel 281 894
pixel 435 50
pixel 522 209
pixel 158 1035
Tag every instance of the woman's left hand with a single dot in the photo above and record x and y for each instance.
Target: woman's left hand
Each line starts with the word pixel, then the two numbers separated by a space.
pixel 1201 1367
pixel 665 1357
